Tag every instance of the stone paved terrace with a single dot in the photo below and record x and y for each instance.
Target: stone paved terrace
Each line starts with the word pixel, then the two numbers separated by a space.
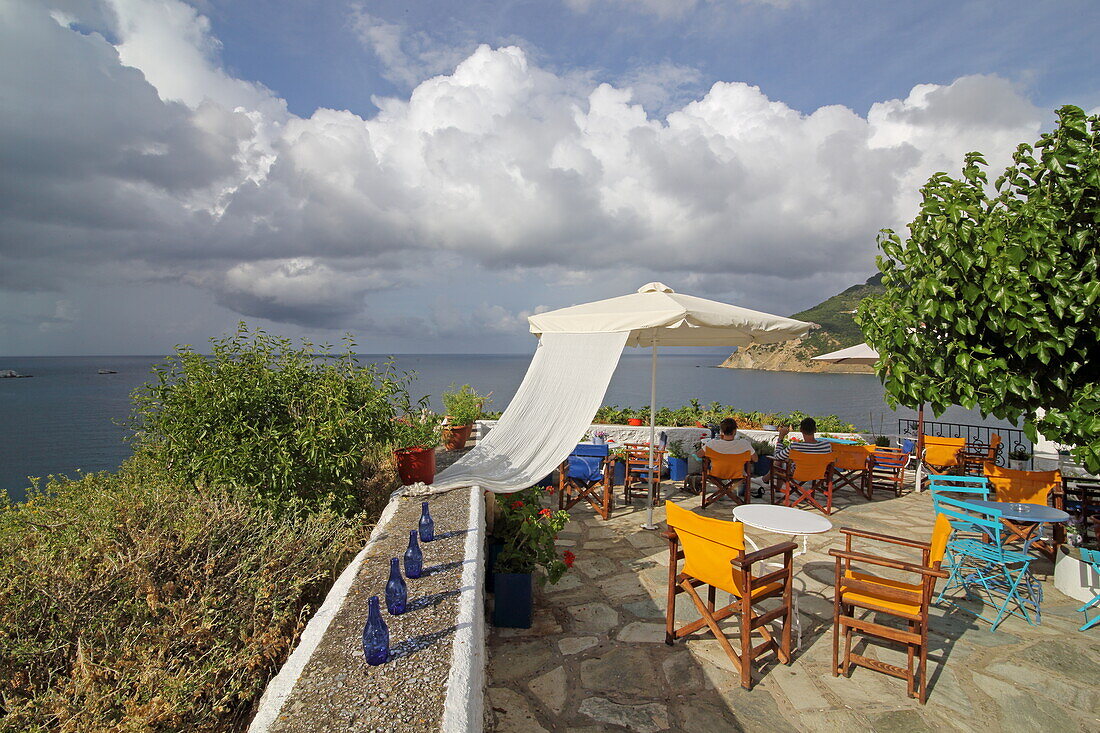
pixel 595 658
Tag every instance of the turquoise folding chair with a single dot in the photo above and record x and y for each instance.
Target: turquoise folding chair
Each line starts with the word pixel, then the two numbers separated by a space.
pixel 974 487
pixel 979 563
pixel 1093 558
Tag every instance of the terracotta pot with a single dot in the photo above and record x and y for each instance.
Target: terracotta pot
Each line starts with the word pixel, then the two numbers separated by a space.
pixel 455 436
pixel 415 464
pixel 635 421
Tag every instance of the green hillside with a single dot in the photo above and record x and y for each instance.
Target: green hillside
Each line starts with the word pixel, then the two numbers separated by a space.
pixel 834 315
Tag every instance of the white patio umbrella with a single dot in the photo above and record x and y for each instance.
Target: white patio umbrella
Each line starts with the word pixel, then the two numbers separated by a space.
pixel 861 354
pixel 656 316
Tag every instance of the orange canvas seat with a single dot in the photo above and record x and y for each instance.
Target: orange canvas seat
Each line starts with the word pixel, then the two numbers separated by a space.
pixel 726 471
pixel 1026 487
pixel 869 595
pixel 941 455
pixel 802 476
pixel 713 554
pixel 851 467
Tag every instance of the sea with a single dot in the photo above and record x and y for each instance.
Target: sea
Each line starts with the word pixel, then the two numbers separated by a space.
pixel 68 418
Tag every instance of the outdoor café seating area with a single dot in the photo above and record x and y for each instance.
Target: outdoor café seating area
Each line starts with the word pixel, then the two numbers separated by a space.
pixel 826 596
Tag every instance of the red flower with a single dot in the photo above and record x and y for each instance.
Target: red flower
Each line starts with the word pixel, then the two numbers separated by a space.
pixel 517 504
pixel 569 558
pixel 545 513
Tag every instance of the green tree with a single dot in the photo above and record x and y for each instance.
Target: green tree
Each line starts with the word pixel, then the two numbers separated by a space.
pixel 285 426
pixel 991 302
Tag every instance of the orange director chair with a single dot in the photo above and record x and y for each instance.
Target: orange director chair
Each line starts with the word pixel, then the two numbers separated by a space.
pixel 806 474
pixel 974 456
pixel 886 470
pixel 638 470
pixel 851 467
pixel 726 471
pixel 713 552
pixel 941 455
pixel 876 596
pixel 1025 487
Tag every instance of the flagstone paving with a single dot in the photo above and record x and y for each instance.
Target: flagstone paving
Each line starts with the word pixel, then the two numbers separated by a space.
pixel 595 658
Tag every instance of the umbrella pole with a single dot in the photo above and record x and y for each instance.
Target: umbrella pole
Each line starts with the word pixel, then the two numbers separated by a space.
pixel 652 433
pixel 920 445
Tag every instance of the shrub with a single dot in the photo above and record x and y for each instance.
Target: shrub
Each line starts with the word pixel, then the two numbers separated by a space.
pixel 133 601
pixel 463 404
pixel 282 426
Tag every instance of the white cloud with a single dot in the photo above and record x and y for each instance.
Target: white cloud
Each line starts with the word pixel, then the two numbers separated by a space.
pixel 113 158
pixel 408 57
pixel 663 8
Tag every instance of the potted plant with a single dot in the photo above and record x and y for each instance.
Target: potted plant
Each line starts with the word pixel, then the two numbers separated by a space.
pixel 677 461
pixel 1018 458
pixel 462 406
pixel 618 460
pixel 526 532
pixel 599 437
pixel 882 441
pixel 764 453
pixel 415 437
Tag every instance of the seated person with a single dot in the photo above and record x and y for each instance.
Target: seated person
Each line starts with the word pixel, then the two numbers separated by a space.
pixel 809 444
pixel 727 442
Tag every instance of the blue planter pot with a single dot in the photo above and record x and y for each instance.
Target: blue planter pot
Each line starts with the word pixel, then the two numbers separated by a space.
pixel 677 468
pixel 762 466
pixel 514 604
pixel 620 473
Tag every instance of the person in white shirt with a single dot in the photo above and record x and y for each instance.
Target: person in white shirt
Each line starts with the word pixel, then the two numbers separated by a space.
pixel 727 441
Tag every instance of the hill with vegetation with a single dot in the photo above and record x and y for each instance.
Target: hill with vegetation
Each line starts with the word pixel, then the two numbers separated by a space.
pixel 836 329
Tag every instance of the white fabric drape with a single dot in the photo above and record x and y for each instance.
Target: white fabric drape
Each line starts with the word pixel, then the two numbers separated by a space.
pixel 549 415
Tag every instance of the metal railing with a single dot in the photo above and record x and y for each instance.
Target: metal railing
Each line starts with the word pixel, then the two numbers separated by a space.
pixel 976 436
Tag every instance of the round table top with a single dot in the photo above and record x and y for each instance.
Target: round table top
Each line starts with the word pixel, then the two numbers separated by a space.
pixel 781 519
pixel 1023 512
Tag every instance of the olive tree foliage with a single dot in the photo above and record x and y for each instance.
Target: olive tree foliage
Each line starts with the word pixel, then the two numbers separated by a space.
pixel 285 426
pixel 993 301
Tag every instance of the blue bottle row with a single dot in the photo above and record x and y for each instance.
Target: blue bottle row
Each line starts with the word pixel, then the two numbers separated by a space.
pixel 376 635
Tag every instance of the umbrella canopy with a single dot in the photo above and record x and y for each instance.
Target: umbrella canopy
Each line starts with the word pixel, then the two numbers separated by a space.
pixel 657 314
pixel 858 354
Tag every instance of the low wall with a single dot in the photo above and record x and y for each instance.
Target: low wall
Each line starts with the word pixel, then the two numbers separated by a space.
pixel 435 678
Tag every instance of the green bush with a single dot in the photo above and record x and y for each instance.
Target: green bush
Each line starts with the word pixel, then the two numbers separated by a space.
pixel 282 426
pixel 134 601
pixel 463 405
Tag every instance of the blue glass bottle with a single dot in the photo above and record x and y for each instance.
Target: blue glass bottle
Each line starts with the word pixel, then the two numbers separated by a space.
pixel 376 637
pixel 396 591
pixel 414 559
pixel 427 524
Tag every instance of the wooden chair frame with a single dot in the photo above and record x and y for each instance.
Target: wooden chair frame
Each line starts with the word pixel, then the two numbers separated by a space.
pixel 844 474
pixel 806 489
pixel 637 469
pixel 850 593
pixel 725 486
pixel 1044 493
pixel 974 456
pixel 886 469
pixel 572 490
pixel 750 621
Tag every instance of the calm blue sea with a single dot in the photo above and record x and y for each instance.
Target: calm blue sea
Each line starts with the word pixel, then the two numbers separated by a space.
pixel 67 418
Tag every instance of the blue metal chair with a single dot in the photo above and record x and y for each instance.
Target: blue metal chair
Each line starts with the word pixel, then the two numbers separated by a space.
pixel 978 562
pixel 1093 558
pixel 586 474
pixel 974 487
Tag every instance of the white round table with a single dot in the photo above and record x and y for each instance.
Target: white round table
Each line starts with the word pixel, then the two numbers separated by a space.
pixel 783 520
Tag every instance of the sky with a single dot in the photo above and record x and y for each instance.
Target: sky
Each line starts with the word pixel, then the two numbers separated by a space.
pixel 425 175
